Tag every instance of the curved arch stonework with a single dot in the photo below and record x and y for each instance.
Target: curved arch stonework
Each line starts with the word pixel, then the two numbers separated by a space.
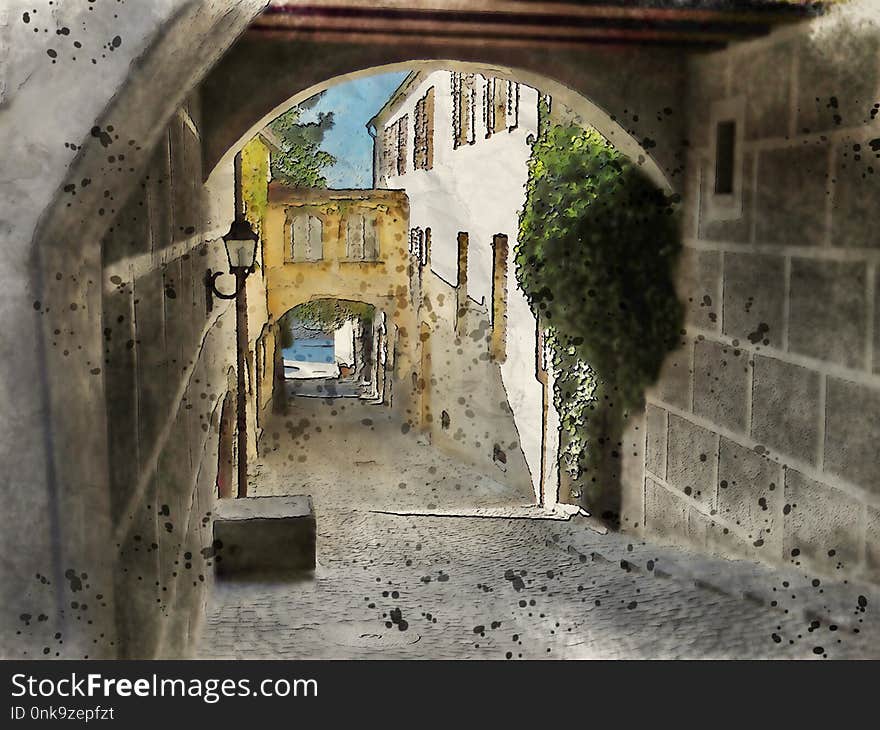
pixel 622 96
pixel 595 83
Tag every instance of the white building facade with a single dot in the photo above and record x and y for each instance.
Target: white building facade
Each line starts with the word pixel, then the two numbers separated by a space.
pixel 458 144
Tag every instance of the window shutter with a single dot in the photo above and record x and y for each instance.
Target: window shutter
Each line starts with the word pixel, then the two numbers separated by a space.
pixel 354 239
pixel 402 129
pixel 429 129
pixel 512 104
pixel 423 142
pixel 299 232
pixel 419 138
pixel 501 91
pixel 466 109
pixel 388 148
pixel 316 238
pixel 455 82
pixel 371 241
pixel 463 96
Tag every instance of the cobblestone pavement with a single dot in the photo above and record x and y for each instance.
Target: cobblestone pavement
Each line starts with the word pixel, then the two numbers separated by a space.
pixel 444 587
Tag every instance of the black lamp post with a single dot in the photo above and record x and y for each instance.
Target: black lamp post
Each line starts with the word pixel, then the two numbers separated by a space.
pixel 241 249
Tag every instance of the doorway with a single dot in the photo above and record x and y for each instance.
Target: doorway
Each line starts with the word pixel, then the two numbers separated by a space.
pixel 226 449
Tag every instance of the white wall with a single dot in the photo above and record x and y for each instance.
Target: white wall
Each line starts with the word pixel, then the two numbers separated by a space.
pixel 480 188
pixel 343 343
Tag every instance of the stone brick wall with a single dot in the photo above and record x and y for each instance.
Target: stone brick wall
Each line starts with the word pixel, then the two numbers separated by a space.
pixel 762 432
pixel 77 134
pixel 167 368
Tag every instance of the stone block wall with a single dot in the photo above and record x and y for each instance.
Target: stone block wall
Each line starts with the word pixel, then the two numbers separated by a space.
pixel 77 135
pixel 167 367
pixel 762 432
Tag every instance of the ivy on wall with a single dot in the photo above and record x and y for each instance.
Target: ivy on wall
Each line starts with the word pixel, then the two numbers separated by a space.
pixel 254 181
pixel 598 244
pixel 574 394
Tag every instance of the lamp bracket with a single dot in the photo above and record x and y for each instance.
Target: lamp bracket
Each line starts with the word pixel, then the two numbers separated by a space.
pixel 211 291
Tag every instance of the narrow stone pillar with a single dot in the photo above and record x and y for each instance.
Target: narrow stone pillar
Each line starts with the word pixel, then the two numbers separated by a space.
pixel 461 290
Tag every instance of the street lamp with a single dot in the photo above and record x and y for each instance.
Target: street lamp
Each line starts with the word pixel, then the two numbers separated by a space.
pixel 241 250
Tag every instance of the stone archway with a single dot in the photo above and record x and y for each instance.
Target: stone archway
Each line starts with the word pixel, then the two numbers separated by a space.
pixel 329 350
pixel 268 103
pixel 82 457
pixel 576 76
pixel 284 91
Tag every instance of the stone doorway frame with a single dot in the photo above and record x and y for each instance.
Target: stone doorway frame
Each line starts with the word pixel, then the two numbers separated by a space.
pixel 226 449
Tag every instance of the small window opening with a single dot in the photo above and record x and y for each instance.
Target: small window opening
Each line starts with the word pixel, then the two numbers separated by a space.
pixel 724 153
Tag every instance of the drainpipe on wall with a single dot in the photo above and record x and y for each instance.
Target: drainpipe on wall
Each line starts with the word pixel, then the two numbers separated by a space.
pixel 371 130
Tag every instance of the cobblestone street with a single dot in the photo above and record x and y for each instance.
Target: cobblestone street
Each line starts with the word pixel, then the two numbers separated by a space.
pixel 478 578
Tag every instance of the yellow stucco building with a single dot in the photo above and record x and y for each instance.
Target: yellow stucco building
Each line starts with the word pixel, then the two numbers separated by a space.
pixel 346 245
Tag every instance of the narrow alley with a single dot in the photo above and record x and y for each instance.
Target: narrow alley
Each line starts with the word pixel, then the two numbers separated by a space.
pixel 500 330
pixel 429 559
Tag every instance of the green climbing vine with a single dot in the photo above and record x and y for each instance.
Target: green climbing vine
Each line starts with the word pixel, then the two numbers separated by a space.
pixel 574 389
pixel 325 315
pixel 254 174
pixel 597 247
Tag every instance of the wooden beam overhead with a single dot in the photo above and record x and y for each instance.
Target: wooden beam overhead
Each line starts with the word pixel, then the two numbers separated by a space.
pixel 521 21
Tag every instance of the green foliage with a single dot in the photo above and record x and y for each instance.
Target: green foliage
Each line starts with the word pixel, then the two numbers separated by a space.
pixel 254 179
pixel 325 315
pixel 285 333
pixel 574 393
pixel 300 162
pixel 598 243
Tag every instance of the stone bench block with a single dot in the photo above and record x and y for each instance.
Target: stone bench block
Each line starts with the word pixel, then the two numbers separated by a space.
pixel 264 535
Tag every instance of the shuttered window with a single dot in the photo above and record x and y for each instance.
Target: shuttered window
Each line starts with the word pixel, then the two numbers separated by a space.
pixel 423 144
pixel 402 141
pixel 495 105
pixel 463 96
pixel 306 238
pixel 361 239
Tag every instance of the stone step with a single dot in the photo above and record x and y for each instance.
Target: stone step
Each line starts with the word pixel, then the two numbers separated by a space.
pixel 258 536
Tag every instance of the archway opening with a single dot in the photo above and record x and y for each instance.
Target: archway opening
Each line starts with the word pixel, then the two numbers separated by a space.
pixel 455 138
pixel 331 348
pixel 462 372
